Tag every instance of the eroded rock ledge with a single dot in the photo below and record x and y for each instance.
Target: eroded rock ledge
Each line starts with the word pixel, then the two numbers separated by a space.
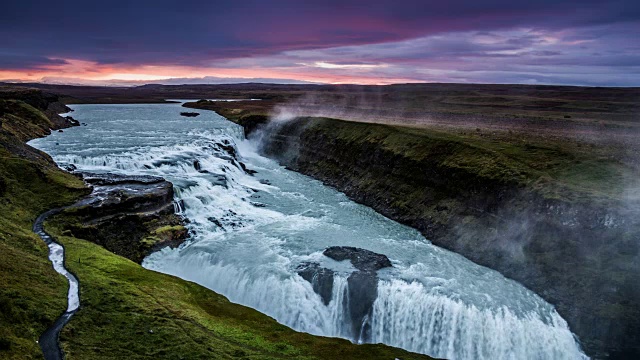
pixel 362 284
pixel 130 216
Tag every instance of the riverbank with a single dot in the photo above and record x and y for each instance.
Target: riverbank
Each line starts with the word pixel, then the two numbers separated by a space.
pixel 558 214
pixel 126 311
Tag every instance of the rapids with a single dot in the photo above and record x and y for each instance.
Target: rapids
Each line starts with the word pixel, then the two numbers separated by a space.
pixel 249 234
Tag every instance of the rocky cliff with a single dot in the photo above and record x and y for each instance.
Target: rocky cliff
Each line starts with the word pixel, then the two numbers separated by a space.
pixel 576 247
pixel 130 216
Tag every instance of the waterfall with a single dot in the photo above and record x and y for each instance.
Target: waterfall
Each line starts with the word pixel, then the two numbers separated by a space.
pixel 251 233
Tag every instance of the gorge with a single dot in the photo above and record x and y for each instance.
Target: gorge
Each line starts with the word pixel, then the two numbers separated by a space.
pixel 251 232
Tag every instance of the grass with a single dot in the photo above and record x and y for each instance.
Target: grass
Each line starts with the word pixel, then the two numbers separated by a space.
pixel 558 169
pixel 126 311
pixel 32 294
pixel 130 312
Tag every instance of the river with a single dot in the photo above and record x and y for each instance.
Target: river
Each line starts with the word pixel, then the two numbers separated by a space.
pixel 250 233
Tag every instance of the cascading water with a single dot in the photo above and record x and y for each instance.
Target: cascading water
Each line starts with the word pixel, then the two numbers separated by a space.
pixel 250 234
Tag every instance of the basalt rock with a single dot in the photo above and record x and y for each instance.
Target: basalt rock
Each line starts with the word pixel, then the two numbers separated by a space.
pixel 321 279
pixel 247 170
pixel 362 285
pixel 131 216
pixel 361 259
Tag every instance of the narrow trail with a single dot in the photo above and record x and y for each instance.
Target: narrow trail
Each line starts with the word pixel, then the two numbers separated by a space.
pixel 49 339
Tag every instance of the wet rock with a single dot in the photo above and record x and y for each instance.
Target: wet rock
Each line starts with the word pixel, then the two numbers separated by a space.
pixel 216 222
pixel 361 259
pixel 362 289
pixel 229 149
pixel 196 165
pixel 69 167
pixel 321 279
pixel 60 130
pixel 361 292
pixel 247 170
pixel 189 114
pixel 103 179
pixel 265 182
pixel 131 216
pixel 72 121
pixel 131 194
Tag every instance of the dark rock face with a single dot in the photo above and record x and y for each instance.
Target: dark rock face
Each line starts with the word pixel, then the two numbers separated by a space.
pixel 72 121
pixel 320 278
pixel 247 170
pixel 362 285
pixel 575 255
pixel 131 216
pixel 117 194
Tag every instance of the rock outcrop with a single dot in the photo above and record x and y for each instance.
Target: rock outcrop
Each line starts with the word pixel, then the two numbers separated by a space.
pixel 131 216
pixel 362 285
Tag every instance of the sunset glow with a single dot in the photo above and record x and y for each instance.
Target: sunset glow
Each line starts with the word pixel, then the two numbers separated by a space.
pixel 367 43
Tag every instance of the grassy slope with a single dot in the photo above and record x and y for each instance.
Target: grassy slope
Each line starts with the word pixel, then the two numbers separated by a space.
pixel 32 294
pixel 567 169
pixel 121 301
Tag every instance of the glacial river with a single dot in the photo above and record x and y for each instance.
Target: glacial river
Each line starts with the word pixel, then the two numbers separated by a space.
pixel 250 233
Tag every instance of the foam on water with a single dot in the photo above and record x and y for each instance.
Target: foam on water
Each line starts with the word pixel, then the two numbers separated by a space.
pixel 250 233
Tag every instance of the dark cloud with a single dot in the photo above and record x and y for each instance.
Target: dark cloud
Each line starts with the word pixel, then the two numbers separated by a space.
pixel 285 33
pixel 19 61
pixel 194 32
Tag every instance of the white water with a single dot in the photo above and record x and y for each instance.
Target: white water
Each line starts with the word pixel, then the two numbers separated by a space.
pixel 56 256
pixel 249 237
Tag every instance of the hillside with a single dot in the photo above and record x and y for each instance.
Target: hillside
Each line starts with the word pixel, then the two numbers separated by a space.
pixel 126 311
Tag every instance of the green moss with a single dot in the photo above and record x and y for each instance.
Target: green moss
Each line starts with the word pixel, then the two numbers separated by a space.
pixel 168 229
pixel 567 170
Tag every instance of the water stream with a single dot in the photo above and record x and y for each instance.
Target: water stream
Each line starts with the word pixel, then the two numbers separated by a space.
pixel 49 339
pixel 251 233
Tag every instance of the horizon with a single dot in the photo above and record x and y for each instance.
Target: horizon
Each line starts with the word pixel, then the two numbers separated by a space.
pixel 249 82
pixel 575 43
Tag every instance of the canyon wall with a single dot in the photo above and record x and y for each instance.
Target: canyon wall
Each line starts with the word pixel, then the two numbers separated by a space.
pixel 578 252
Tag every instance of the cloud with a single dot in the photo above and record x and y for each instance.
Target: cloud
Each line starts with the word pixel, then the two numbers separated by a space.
pixel 329 41
pixel 21 62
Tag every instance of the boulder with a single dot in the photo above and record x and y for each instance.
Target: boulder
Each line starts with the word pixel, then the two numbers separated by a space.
pixel 361 259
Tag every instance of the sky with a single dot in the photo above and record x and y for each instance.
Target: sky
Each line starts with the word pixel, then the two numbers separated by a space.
pixel 588 42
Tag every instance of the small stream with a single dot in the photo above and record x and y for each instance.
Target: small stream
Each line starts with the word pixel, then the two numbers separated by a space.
pixel 49 339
